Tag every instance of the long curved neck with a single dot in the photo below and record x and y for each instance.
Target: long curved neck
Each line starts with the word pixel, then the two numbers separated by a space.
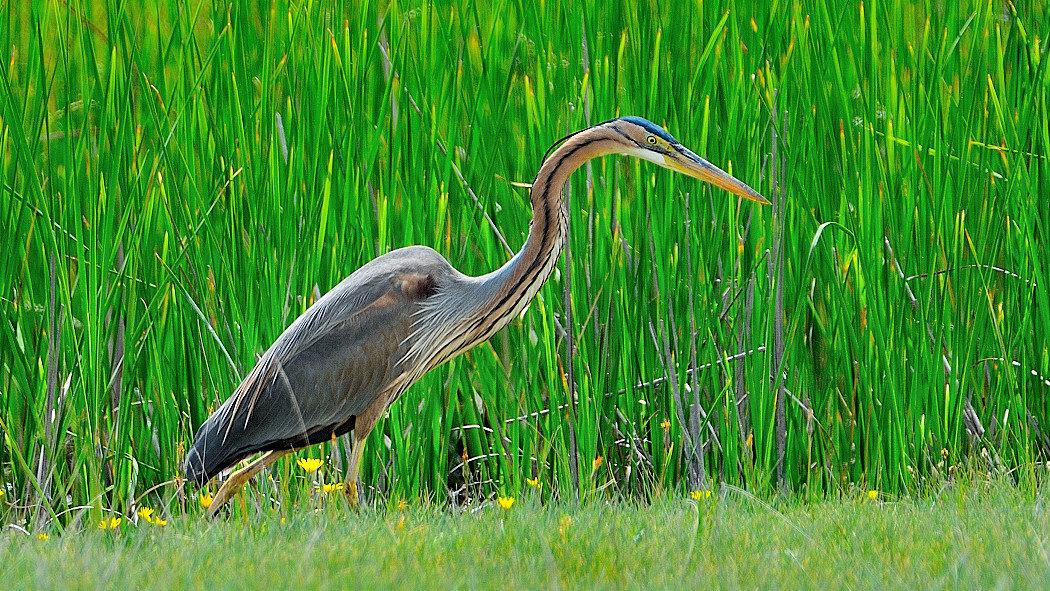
pixel 491 301
pixel 510 288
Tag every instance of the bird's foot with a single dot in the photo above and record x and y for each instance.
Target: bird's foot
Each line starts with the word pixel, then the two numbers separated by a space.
pixel 350 490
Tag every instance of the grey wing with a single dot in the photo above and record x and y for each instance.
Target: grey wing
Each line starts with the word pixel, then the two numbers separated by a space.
pixel 327 368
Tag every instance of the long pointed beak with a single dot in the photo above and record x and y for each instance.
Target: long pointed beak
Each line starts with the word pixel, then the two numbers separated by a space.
pixel 686 162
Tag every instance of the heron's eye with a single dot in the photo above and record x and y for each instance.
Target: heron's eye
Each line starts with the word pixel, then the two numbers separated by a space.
pixel 651 139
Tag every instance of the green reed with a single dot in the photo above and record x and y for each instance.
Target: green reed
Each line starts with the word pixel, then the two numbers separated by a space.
pixel 180 182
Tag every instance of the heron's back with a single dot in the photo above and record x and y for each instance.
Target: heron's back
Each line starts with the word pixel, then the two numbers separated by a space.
pixel 326 368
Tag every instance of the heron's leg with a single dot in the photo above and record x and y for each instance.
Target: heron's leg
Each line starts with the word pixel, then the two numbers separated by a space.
pixel 238 478
pixel 350 486
pixel 363 425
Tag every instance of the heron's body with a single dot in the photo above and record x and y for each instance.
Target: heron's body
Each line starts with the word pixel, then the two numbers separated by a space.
pixel 360 346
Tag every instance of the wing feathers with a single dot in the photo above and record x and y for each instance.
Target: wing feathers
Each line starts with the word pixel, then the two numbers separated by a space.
pixel 324 370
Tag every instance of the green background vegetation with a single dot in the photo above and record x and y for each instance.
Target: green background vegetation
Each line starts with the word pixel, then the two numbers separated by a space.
pixel 180 182
pixel 971 537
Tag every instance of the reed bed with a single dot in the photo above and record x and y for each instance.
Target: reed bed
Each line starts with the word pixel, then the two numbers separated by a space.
pixel 181 181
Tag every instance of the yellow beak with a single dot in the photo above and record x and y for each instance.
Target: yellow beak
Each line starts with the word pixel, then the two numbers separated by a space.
pixel 688 163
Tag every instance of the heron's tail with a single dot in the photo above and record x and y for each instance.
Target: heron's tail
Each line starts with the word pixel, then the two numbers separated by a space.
pixel 209 454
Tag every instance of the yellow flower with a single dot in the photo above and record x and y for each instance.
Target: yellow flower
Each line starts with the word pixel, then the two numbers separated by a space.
pixel 110 523
pixel 505 502
pixel 401 504
pixel 873 494
pixel 533 481
pixel 597 463
pixel 310 464
pixel 750 439
pixel 42 536
pixel 331 487
pixel 206 500
pixel 700 494
pixel 665 425
pixel 146 513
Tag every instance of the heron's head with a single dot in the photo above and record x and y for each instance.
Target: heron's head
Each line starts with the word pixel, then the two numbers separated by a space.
pixel 645 139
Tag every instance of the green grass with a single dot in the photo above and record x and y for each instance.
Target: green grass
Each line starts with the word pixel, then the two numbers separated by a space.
pixel 980 535
pixel 180 182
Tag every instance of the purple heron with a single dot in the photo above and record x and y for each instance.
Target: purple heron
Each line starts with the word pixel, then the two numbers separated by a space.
pixel 359 347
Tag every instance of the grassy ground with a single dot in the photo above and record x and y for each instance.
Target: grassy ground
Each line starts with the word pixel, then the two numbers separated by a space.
pixel 974 536
pixel 179 182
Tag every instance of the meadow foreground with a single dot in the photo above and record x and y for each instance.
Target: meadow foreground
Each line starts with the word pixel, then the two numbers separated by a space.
pixel 974 536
